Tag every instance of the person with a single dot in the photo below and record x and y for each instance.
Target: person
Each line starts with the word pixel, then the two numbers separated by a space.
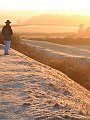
pixel 7 33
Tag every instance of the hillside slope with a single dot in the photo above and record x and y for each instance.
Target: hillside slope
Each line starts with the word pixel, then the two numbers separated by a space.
pixel 30 90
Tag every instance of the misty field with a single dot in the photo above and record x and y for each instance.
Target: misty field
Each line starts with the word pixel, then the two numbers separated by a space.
pixel 58 38
pixel 61 57
pixel 73 61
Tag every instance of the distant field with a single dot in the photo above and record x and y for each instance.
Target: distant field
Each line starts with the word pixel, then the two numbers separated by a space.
pixel 74 50
pixel 59 39
pixel 87 47
pixel 59 54
pixel 72 60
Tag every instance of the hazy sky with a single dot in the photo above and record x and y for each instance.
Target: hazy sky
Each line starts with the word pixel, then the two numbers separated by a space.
pixel 70 5
pixel 16 9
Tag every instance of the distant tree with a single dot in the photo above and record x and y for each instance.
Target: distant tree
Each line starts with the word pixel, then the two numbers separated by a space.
pixel 88 31
pixel 81 29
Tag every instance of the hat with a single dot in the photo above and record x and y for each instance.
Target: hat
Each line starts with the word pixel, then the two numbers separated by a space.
pixel 8 22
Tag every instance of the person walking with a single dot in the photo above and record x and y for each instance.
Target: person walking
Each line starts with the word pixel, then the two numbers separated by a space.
pixel 7 33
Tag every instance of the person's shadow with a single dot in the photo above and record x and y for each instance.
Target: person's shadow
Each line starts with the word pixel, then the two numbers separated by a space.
pixel 1 49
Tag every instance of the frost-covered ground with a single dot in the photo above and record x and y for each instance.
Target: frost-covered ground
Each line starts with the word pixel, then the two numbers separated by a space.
pixel 70 50
pixel 30 90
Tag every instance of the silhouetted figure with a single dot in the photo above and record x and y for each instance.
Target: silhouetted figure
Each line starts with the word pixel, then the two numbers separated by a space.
pixel 7 33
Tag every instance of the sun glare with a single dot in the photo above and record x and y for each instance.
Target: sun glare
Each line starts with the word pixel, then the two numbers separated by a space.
pixel 46 5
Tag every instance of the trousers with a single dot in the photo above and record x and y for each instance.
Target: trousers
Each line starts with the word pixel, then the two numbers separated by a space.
pixel 7 46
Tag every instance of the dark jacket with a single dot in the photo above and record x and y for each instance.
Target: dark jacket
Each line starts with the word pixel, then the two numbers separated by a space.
pixel 7 32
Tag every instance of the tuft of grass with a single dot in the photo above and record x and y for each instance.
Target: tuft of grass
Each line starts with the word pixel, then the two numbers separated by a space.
pixel 1 39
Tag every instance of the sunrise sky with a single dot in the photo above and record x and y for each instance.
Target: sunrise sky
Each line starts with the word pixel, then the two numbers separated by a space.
pixel 42 5
pixel 22 9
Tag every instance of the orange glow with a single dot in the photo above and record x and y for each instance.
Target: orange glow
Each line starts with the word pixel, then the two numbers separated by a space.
pixel 18 11
pixel 81 6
